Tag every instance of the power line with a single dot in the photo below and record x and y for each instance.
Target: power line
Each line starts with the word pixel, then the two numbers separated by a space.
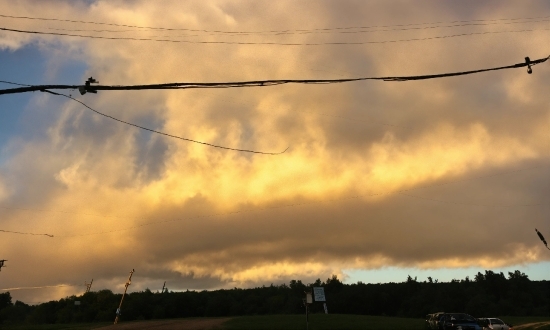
pixel 255 83
pixel 341 43
pixel 499 20
pixel 38 287
pixel 469 204
pixel 343 31
pixel 162 133
pixel 24 233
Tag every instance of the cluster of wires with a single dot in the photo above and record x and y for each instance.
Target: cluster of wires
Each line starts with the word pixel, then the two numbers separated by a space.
pixel 330 36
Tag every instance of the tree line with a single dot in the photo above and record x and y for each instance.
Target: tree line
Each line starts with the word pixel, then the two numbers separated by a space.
pixel 488 294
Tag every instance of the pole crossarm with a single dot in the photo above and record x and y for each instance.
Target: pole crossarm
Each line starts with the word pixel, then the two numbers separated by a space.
pixel 255 83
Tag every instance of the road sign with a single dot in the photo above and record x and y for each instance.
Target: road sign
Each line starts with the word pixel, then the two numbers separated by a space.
pixel 319 293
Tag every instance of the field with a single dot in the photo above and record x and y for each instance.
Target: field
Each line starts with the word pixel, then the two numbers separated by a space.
pixel 272 322
pixel 323 322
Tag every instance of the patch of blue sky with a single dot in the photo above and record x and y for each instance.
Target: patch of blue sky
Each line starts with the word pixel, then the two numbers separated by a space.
pixel 30 64
pixel 536 272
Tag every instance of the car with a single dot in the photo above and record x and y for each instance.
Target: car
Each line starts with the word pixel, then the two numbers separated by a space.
pixel 432 320
pixel 493 323
pixel 458 321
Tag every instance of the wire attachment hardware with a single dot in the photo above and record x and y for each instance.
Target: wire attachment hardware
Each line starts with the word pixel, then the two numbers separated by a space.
pixel 87 88
pixel 528 62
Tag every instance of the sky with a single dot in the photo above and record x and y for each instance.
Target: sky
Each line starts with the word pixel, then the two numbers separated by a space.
pixel 442 178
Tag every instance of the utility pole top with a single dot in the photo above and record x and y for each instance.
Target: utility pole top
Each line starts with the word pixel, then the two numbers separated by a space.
pixel 2 263
pixel 88 285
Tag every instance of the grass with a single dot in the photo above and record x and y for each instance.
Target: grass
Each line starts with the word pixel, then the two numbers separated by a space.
pixel 518 320
pixel 298 322
pixel 323 322
pixel 71 326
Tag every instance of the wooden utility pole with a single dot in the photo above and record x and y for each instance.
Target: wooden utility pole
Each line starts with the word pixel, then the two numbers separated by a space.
pixel 121 300
pixel 2 263
pixel 88 285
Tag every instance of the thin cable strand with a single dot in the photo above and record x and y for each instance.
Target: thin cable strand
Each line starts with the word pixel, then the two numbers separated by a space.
pixel 268 43
pixel 24 233
pixel 162 133
pixel 269 31
pixel 39 287
pixel 361 30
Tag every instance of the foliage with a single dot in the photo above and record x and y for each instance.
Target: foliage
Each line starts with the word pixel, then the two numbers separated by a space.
pixel 489 294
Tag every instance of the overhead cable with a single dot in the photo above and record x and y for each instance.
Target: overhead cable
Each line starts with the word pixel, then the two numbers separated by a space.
pixel 38 287
pixel 336 43
pixel 499 20
pixel 162 133
pixel 256 83
pixel 24 233
pixel 357 30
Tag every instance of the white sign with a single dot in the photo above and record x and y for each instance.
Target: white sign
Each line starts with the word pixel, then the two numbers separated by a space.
pixel 77 303
pixel 326 309
pixel 308 298
pixel 319 293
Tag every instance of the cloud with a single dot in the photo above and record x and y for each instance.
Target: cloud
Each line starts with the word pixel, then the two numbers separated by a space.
pixel 377 174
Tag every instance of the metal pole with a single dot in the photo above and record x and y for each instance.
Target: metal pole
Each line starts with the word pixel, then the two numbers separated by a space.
pixel 307 317
pixel 89 285
pixel 121 300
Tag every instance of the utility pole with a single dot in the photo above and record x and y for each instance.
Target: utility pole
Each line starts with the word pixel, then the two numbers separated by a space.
pixel 542 239
pixel 2 263
pixel 121 300
pixel 163 286
pixel 88 285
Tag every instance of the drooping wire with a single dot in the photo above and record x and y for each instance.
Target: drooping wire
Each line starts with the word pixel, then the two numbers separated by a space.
pixel 13 83
pixel 466 203
pixel 360 30
pixel 162 133
pixel 24 233
pixel 39 287
pixel 268 43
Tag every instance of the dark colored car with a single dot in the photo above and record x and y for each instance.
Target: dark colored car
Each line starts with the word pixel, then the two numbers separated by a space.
pixel 457 321
pixel 432 321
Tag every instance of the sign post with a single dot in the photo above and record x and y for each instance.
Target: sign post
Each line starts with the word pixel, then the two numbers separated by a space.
pixel 307 301
pixel 319 293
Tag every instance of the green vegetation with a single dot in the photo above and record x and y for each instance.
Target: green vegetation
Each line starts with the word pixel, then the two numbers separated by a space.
pixel 486 295
pixel 73 326
pixel 518 320
pixel 290 322
pixel 323 322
